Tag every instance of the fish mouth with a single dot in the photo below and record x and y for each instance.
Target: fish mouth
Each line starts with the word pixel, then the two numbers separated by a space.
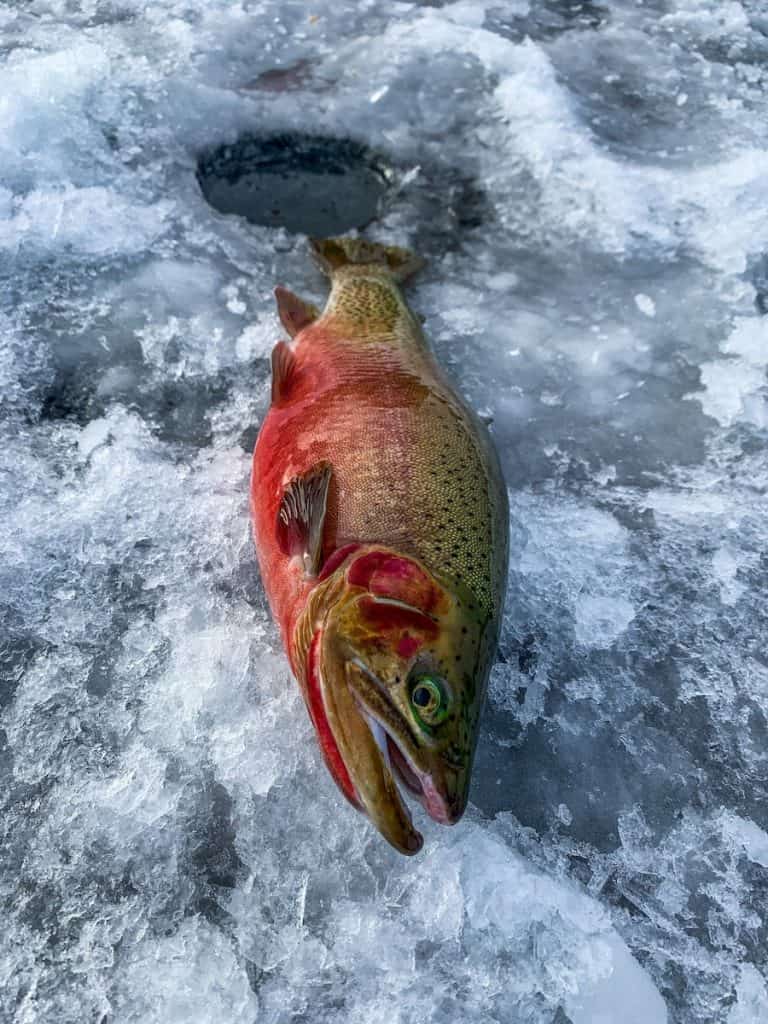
pixel 409 782
pixel 363 752
pixel 394 763
pixel 436 789
pixel 373 756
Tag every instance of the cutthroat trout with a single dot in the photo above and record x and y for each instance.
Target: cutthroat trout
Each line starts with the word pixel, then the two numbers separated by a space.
pixel 380 520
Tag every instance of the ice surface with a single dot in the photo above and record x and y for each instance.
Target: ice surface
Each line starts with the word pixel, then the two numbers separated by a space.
pixel 588 184
pixel 735 387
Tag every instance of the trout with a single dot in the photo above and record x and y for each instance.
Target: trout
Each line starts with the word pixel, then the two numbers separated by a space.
pixel 381 528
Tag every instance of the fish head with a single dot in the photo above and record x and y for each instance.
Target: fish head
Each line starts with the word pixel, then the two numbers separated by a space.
pixel 396 675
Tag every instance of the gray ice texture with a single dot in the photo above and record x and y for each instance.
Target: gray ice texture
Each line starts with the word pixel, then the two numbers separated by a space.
pixel 589 184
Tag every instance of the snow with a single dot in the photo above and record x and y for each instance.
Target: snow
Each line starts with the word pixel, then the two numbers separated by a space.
pixel 588 185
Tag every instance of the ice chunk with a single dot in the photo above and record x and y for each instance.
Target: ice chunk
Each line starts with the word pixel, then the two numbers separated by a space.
pixel 92 221
pixel 599 619
pixel 183 978
pixel 577 554
pixel 734 386
pixel 645 304
pixel 748 835
pixel 751 1004
pixel 596 980
pixel 726 564
pixel 626 995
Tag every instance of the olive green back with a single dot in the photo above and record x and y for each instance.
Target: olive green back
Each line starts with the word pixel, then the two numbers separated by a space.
pixel 433 486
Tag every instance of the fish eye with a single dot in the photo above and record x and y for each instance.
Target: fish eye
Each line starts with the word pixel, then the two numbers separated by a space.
pixel 429 699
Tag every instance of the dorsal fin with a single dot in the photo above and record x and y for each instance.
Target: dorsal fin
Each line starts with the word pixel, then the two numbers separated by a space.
pixel 301 516
pixel 283 368
pixel 295 314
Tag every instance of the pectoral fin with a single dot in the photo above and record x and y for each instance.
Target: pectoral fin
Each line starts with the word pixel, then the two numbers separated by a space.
pixel 301 516
pixel 283 366
pixel 294 313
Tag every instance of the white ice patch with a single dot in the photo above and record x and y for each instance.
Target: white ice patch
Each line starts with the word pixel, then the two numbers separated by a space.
pixel 626 994
pixel 465 12
pixel 46 134
pixel 736 387
pixel 191 976
pixel 90 221
pixel 600 619
pixel 711 20
pixel 256 341
pixel 577 555
pixel 748 835
pixel 726 563
pixel 589 968
pixel 645 304
pixel 751 1006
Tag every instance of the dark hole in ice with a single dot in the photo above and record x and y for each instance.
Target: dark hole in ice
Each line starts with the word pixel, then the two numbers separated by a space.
pixel 308 184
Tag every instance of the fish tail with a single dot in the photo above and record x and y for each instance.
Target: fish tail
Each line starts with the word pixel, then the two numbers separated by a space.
pixel 333 253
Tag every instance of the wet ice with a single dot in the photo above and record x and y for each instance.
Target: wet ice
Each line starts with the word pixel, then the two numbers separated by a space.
pixel 587 183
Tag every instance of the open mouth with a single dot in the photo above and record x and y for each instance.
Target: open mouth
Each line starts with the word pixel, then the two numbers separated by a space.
pixel 404 773
pixel 410 780
pixel 406 779
pixel 369 747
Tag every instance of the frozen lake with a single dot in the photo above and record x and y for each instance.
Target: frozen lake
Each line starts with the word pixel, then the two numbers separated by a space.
pixel 589 186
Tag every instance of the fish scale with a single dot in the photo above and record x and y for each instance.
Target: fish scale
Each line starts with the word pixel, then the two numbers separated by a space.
pixel 435 486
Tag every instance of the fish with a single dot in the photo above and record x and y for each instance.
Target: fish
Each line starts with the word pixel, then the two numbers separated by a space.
pixel 380 521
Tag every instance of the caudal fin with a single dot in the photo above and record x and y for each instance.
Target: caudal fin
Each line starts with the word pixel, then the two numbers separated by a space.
pixel 332 253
